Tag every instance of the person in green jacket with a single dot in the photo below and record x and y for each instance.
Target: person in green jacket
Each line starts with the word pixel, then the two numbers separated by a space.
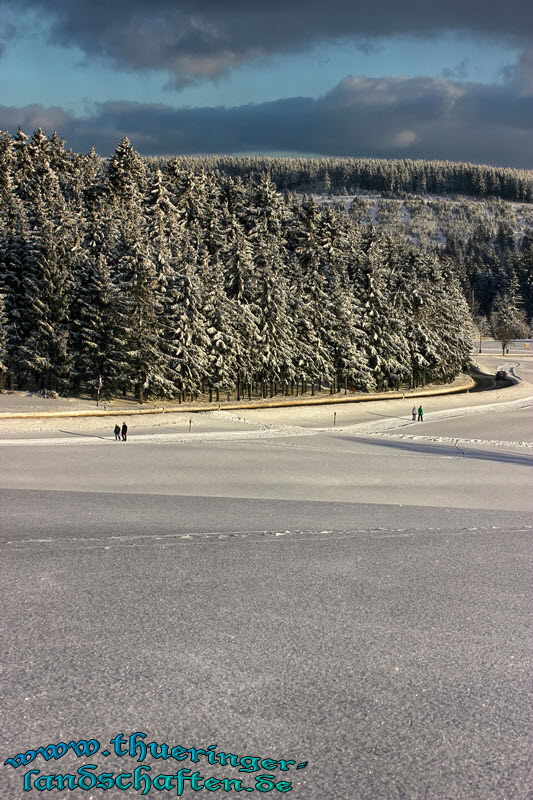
pixel 420 414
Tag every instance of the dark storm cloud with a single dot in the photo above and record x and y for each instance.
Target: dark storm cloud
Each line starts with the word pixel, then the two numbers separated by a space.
pixel 198 39
pixel 388 117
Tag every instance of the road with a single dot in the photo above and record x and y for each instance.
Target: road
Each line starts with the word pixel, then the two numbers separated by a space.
pixel 356 598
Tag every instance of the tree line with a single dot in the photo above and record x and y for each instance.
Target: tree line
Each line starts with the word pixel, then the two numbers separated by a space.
pixel 117 275
pixel 394 177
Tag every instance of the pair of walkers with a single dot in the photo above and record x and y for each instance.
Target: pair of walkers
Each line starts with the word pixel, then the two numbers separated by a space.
pixel 121 434
pixel 419 411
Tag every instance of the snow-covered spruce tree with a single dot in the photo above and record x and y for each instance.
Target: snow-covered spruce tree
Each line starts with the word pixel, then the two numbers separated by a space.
pixel 98 332
pixel 241 289
pixel 217 309
pixel 234 198
pixel 219 314
pixel 23 165
pixel 415 295
pixel 339 242
pixel 13 244
pixel 136 273
pixel 98 340
pixel 384 343
pixel 166 231
pixel 347 341
pixel 68 168
pixel 145 362
pixel 212 222
pixel 266 212
pixel 238 262
pixel 452 319
pixel 311 308
pixel 247 343
pixel 45 287
pixel 507 320
pixel 164 227
pixel 189 195
pixel 47 272
pixel 126 176
pixel 90 171
pixel 184 339
pixel 274 358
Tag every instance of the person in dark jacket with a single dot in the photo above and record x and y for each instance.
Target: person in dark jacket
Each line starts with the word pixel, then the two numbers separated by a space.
pixel 124 432
pixel 420 414
pixel 117 433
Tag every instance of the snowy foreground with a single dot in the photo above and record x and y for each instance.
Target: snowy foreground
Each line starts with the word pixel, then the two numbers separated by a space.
pixel 354 596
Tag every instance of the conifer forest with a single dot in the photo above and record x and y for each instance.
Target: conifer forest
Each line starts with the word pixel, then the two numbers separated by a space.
pixel 182 277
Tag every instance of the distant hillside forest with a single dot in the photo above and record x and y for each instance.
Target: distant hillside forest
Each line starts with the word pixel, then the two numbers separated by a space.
pixel 174 278
pixel 351 175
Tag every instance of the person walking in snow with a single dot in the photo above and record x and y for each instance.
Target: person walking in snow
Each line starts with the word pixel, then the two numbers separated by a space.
pixel 413 413
pixel 124 432
pixel 117 433
pixel 420 414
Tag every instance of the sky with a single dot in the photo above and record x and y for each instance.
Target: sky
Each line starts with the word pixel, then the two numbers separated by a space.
pixel 436 80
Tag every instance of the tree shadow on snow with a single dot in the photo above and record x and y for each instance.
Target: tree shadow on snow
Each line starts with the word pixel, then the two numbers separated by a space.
pixel 449 450
pixel 89 435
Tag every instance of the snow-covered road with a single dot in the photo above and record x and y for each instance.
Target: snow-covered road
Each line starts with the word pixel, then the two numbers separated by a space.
pixel 268 423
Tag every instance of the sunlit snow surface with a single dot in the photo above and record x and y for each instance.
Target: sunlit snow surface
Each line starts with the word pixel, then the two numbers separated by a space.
pixel 356 596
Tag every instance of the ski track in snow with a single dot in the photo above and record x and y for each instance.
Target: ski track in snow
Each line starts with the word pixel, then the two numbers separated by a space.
pixel 269 431
pixel 455 440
